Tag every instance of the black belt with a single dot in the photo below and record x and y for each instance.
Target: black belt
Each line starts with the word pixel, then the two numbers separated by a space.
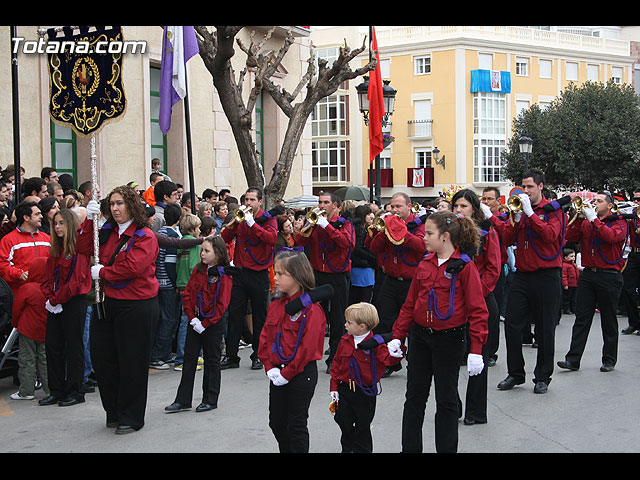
pixel 432 331
pixel 400 279
pixel 603 270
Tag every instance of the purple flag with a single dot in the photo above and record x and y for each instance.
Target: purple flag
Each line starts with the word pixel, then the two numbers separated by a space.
pixel 179 44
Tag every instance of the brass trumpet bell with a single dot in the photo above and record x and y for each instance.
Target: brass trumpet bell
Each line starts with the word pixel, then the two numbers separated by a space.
pixel 415 208
pixel 378 224
pixel 312 219
pixel 514 203
pixel 239 215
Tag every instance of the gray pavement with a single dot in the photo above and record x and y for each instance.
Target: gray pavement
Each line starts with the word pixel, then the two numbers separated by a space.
pixel 583 412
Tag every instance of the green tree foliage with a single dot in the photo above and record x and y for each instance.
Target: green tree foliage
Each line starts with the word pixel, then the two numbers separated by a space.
pixel 588 138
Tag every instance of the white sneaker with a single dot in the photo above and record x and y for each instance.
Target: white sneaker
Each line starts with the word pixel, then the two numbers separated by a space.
pixel 17 396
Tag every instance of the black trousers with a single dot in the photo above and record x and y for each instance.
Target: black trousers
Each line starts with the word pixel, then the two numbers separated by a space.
pixel 391 297
pixel 334 309
pixel 533 297
pixel 476 397
pixel 289 410
pixel 498 293
pixel 210 343
pixel 65 349
pixel 354 415
pixel 432 356
pixel 631 276
pixel 601 290
pixel 120 353
pixel 248 286
pixel 360 294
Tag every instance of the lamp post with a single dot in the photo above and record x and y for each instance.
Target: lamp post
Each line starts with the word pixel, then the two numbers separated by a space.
pixel 526 146
pixel 436 157
pixel 389 98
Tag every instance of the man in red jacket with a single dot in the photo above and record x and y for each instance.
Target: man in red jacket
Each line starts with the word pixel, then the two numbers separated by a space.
pixel 330 243
pixel 254 254
pixel 21 245
pixel 536 291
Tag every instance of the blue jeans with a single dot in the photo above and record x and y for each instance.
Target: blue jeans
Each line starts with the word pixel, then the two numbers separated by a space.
pixel 182 336
pixel 170 312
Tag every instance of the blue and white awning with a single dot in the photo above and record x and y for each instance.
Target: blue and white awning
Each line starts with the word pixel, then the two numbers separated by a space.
pixel 490 81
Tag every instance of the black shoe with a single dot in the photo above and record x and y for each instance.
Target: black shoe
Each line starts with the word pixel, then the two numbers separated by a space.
pixel 124 429
pixel 205 407
pixel 607 367
pixel 510 382
pixel 256 364
pixel 69 401
pixel 491 362
pixel 176 407
pixel 470 421
pixel 50 400
pixel 567 365
pixel 86 388
pixel 391 369
pixel 228 363
pixel 540 387
pixel 629 330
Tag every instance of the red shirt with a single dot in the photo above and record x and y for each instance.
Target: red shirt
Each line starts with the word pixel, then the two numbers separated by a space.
pixel 601 242
pixel 67 278
pixel 570 274
pixel 311 340
pixel 132 276
pixel 400 261
pixel 537 240
pixel 254 245
pixel 29 314
pixel 498 221
pixel 347 350
pixel 330 247
pixel 634 235
pixel 489 262
pixel 469 305
pixel 207 300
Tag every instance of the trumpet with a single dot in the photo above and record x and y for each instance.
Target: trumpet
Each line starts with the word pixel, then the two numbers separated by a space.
pixel 576 203
pixel 415 208
pixel 515 206
pixel 239 215
pixel 312 219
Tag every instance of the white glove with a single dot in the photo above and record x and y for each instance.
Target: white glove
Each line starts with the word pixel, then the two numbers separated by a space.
pixel 95 271
pixel 394 348
pixel 322 221
pixel 589 211
pixel 486 210
pixel 197 325
pixel 517 217
pixel 93 208
pixel 334 396
pixel 53 308
pixel 248 217
pixel 273 373
pixel 526 204
pixel 475 364
pixel 279 380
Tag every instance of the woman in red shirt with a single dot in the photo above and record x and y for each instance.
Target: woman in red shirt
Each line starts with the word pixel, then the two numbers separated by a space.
pixel 289 347
pixel 66 287
pixel 441 305
pixel 121 341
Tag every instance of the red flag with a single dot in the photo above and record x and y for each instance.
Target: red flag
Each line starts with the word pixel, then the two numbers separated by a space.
pixel 376 104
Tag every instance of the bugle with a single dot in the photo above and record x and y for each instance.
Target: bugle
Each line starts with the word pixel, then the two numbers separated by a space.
pixel 239 215
pixel 576 204
pixel 312 218
pixel 514 204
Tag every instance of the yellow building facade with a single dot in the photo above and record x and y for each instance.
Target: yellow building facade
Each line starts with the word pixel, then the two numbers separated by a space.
pixel 459 89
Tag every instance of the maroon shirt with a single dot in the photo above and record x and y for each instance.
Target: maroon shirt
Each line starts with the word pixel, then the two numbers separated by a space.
pixel 206 299
pixel 601 242
pixel 254 245
pixel 330 248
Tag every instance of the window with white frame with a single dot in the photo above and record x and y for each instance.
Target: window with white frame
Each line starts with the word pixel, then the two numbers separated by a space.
pixel 485 61
pixel 571 71
pixel 545 68
pixel 489 139
pixel 487 160
pixel 593 73
pixel 329 117
pixel 329 54
pixel 616 75
pixel 385 68
pixel 329 160
pixel 423 158
pixel 522 66
pixel 521 105
pixel 422 65
pixel 385 158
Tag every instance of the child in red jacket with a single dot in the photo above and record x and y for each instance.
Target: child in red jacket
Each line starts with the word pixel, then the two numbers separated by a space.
pixel 570 274
pixel 30 318
pixel 355 375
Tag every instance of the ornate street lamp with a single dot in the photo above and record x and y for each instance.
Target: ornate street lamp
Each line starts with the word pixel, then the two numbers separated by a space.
pixel 526 147
pixel 436 157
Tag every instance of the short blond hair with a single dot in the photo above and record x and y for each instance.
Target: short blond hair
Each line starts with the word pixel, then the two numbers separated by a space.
pixel 362 313
pixel 188 223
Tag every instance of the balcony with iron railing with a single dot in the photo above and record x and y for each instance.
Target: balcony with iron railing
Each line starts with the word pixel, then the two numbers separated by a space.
pixel 420 129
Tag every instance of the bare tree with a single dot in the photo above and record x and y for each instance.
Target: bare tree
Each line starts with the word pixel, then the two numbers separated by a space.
pixel 217 47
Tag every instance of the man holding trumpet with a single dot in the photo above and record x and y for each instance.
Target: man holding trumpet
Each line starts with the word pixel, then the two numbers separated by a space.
pixel 331 239
pixel 255 241
pixel 399 242
pixel 536 291
pixel 602 237
pixel 631 272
